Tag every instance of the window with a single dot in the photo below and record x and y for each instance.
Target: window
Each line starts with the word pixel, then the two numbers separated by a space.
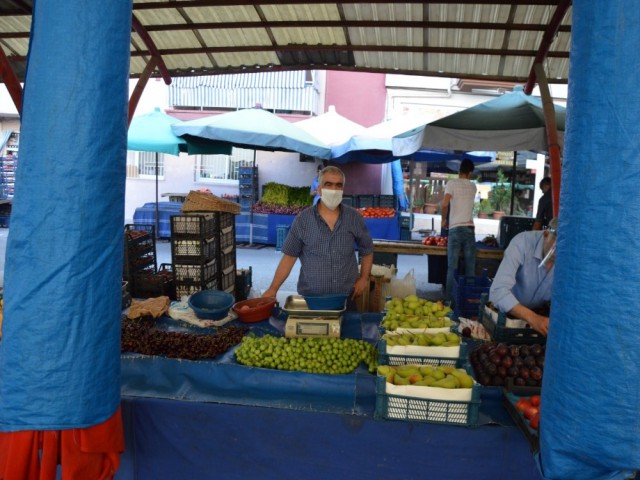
pixel 223 168
pixel 143 165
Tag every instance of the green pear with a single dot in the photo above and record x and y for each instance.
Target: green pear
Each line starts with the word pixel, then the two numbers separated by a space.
pixel 426 370
pixel 466 381
pixel 385 369
pixel 452 337
pixel 438 374
pixel 399 380
pixel 454 379
pixel 407 370
pixel 445 383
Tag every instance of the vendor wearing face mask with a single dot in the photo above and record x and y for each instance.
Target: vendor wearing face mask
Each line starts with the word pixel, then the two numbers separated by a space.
pixel 524 279
pixel 325 237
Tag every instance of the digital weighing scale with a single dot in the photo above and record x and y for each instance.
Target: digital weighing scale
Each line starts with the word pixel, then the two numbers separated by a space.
pixel 305 323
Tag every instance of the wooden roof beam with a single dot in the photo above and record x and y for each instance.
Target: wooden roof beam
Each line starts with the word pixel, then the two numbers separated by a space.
pixel 547 39
pixel 151 46
pixel 11 81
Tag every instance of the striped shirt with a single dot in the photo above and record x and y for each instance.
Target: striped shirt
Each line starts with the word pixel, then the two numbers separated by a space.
pixel 327 258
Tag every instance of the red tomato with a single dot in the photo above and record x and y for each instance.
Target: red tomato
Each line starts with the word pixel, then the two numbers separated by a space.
pixel 523 404
pixel 535 400
pixel 534 422
pixel 531 412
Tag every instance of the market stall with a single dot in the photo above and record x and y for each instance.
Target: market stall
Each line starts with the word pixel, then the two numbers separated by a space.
pixel 146 215
pixel 487 257
pixel 217 414
pixel 265 227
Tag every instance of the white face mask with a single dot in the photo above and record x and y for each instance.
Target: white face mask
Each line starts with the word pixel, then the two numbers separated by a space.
pixel 331 198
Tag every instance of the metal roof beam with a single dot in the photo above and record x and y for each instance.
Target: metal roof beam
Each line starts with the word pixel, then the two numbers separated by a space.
pixel 353 48
pixel 351 23
pixel 236 3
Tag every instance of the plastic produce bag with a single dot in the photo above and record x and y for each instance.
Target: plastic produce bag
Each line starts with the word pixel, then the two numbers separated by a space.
pixel 401 288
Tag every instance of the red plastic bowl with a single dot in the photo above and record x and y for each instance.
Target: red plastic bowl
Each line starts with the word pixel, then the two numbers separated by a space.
pixel 254 309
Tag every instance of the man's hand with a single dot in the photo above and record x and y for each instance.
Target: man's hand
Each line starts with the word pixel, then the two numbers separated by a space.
pixel 359 287
pixel 539 323
pixel 269 292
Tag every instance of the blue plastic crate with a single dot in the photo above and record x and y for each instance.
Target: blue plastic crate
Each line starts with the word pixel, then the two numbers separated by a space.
pixel 417 409
pixel 467 292
pixel 281 234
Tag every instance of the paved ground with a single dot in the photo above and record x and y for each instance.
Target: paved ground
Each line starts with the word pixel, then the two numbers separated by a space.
pixel 263 262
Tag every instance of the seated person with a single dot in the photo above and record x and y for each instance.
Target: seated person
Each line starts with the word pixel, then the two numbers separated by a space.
pixel 524 278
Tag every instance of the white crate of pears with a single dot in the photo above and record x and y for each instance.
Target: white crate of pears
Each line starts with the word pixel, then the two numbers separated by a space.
pixel 422 348
pixel 412 314
pixel 436 394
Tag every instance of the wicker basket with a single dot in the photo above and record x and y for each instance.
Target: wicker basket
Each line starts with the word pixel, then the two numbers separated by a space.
pixel 207 202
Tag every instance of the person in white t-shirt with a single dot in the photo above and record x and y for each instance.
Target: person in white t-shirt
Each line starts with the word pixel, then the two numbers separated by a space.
pixel 457 217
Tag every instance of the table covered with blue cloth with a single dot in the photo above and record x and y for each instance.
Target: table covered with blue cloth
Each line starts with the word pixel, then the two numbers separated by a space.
pixel 147 215
pixel 217 418
pixel 265 227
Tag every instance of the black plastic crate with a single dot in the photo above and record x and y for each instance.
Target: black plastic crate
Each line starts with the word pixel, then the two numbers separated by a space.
pixel 228 238
pixel 194 251
pixel 201 225
pixel 227 220
pixel 366 201
pixel 387 201
pixel 195 273
pixel 134 233
pixel 500 332
pixel 149 285
pixel 228 281
pixel 185 289
pixel 228 258
pixel 243 283
pixel 349 200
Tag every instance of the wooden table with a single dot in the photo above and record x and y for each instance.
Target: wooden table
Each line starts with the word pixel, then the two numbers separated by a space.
pixel 417 248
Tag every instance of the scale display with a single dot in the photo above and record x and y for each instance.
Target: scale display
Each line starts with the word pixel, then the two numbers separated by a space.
pixel 317 327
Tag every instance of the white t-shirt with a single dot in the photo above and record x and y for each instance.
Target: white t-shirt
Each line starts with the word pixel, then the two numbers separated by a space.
pixel 463 195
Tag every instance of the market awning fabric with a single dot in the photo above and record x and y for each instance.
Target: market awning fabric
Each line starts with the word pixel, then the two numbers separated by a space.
pixel 60 349
pixel 256 129
pixel 511 122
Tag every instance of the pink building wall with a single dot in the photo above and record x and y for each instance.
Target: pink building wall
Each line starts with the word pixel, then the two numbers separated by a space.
pixel 361 98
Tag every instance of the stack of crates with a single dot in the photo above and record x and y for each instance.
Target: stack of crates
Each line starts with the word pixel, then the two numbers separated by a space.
pixel 248 185
pixel 203 250
pixel 144 279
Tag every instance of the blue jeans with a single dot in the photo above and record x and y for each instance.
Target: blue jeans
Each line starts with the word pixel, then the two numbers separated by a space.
pixel 460 239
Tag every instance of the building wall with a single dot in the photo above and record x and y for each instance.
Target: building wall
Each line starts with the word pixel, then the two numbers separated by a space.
pixel 360 97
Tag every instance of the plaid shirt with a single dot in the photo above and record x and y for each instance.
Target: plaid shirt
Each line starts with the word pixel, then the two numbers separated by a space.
pixel 327 258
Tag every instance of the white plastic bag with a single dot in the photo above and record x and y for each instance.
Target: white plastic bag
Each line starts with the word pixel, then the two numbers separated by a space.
pixel 401 288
